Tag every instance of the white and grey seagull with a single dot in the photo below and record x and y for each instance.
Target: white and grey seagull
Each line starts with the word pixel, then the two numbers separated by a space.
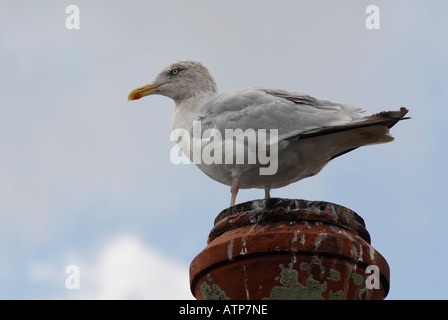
pixel 310 131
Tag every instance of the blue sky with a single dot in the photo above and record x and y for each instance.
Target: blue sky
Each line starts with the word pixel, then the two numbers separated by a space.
pixel 86 178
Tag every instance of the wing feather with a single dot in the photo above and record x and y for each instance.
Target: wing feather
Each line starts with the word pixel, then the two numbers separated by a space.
pixel 291 114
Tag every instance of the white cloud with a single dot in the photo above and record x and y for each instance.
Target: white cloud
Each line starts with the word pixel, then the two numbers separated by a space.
pixel 125 268
pixel 128 269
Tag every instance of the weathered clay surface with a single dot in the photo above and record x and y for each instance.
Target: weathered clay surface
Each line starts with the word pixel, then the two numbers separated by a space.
pixel 288 249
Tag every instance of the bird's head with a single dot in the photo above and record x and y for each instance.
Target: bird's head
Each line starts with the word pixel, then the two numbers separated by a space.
pixel 179 81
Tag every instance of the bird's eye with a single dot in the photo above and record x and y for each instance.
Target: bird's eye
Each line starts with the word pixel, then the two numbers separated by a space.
pixel 174 71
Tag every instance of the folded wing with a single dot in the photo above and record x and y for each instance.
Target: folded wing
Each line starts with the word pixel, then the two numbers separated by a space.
pixel 290 114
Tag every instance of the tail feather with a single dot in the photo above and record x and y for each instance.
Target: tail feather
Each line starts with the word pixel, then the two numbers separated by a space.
pixel 373 129
pixel 384 118
pixel 390 118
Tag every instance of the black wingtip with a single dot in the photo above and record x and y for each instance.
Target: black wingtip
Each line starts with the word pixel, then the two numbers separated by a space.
pixel 391 118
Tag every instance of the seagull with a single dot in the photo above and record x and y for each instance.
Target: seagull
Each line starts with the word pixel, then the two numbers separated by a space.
pixel 300 132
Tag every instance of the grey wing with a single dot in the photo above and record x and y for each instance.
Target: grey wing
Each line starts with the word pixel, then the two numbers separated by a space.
pixel 292 114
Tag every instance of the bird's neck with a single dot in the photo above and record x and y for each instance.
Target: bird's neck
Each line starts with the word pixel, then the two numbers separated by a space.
pixel 187 111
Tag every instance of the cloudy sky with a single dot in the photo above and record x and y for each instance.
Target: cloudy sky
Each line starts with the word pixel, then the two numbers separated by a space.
pixel 86 178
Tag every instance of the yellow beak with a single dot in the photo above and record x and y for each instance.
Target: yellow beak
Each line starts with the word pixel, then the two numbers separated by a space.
pixel 142 91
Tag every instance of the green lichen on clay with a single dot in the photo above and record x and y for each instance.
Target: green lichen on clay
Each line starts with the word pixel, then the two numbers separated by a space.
pixel 209 277
pixel 338 295
pixel 357 279
pixel 334 275
pixel 293 290
pixel 305 266
pixel 213 292
pixel 364 293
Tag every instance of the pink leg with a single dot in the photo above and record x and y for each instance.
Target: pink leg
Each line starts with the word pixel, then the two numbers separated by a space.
pixel 267 190
pixel 234 190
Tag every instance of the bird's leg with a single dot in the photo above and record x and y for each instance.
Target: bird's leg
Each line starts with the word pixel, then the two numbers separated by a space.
pixel 267 190
pixel 234 190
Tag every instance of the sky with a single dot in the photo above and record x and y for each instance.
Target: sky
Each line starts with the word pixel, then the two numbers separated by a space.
pixel 86 178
